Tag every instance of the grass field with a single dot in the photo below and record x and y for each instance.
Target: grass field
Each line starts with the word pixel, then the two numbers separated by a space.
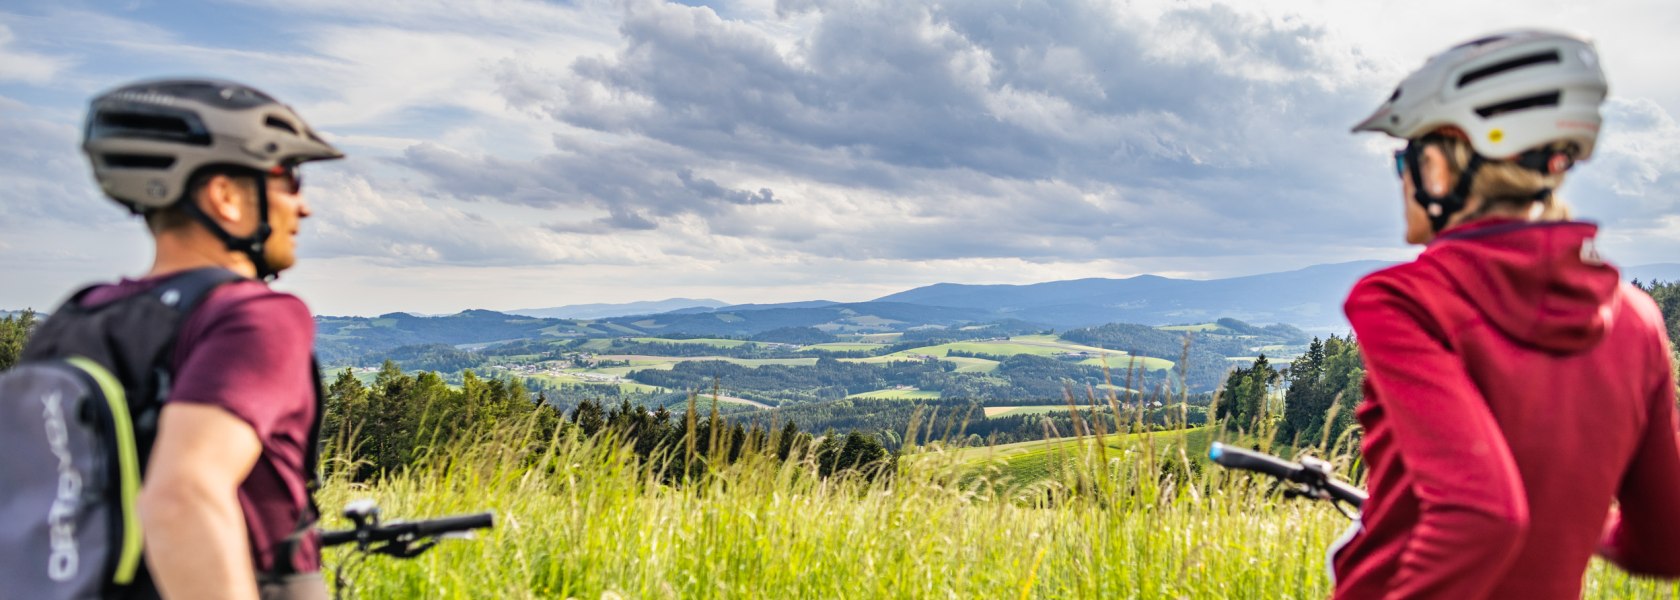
pixel 842 346
pixel 585 520
pixel 1002 411
pixel 964 364
pixel 1119 364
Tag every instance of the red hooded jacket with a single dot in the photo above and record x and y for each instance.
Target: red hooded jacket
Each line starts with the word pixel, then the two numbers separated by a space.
pixel 1514 388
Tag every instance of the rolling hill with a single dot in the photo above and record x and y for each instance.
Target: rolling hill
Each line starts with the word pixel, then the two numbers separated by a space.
pixel 1308 298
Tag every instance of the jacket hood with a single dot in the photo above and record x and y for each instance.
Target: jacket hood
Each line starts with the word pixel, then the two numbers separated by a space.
pixel 1540 283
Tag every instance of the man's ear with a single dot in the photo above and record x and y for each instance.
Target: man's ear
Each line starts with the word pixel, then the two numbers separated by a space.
pixel 1437 175
pixel 222 198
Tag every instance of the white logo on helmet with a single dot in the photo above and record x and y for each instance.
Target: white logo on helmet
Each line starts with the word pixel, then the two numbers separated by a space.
pixel 157 188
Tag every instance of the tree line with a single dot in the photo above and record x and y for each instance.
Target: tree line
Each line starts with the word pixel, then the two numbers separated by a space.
pixel 400 421
pixel 1309 402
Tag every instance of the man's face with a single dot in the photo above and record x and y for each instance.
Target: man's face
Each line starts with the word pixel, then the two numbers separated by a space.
pixel 286 209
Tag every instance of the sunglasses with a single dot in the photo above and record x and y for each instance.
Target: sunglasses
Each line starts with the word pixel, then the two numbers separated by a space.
pixel 293 177
pixel 1400 162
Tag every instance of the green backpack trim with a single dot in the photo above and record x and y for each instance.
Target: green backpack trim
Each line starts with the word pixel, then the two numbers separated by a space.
pixel 128 466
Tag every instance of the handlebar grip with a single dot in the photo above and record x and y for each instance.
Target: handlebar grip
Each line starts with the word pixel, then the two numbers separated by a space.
pixel 1238 458
pixel 483 520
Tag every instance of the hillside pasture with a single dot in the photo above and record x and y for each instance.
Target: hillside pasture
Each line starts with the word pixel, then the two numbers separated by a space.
pixel 842 347
pixel 1012 411
pixel 1025 463
pixel 1119 365
pixel 964 364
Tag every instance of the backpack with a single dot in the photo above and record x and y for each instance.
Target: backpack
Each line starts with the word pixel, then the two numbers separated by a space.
pixel 78 415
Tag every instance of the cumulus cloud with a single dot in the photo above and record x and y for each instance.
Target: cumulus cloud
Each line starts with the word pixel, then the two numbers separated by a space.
pixel 24 66
pixel 929 131
pixel 45 175
pixel 892 140
pixel 360 216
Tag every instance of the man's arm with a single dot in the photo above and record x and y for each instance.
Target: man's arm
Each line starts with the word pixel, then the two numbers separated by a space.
pixel 196 543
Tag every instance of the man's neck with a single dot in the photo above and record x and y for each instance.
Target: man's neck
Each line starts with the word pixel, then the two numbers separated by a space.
pixel 182 251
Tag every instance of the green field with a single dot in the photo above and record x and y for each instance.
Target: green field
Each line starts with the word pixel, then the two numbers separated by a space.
pixel 894 394
pixel 964 364
pixel 1119 364
pixel 584 519
pixel 843 346
pixel 1010 411
pixel 1028 462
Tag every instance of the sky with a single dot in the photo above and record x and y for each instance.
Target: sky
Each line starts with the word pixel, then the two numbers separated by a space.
pixel 520 154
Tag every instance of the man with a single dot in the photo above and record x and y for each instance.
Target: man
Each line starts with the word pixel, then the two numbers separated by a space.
pixel 212 166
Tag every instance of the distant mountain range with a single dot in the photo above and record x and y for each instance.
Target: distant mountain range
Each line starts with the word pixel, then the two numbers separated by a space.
pixel 1661 272
pixel 607 311
pixel 1309 298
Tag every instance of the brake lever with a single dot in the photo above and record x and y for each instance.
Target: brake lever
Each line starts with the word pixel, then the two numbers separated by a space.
pixel 405 549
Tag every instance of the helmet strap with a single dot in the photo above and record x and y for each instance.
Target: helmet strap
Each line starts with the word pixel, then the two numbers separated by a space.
pixel 1440 208
pixel 252 245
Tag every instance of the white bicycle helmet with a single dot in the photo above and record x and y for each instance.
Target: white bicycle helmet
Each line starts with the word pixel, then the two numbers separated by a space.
pixel 1510 92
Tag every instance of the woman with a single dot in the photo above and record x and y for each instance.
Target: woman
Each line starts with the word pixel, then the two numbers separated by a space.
pixel 1516 389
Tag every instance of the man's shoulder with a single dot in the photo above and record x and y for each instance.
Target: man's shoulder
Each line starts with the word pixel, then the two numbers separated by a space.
pixel 250 295
pixel 249 309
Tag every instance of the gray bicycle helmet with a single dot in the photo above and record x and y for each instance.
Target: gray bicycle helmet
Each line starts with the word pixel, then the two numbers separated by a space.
pixel 1510 92
pixel 147 140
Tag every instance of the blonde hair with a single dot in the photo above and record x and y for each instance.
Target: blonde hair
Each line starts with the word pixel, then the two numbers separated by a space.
pixel 1506 186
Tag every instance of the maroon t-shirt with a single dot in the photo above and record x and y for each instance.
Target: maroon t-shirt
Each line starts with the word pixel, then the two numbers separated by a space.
pixel 246 350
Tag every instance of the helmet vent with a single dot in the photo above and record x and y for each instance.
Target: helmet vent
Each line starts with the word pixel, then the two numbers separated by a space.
pixel 1537 101
pixel 152 124
pixel 1539 58
pixel 138 161
pixel 280 124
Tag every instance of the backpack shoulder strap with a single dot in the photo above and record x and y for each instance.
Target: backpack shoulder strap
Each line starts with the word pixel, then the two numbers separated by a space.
pixel 186 290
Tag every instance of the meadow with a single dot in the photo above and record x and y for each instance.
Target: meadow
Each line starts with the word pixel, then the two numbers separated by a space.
pixel 1098 516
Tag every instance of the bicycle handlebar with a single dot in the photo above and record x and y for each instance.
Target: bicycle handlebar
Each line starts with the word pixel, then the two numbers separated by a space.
pixel 398 530
pixel 1315 476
